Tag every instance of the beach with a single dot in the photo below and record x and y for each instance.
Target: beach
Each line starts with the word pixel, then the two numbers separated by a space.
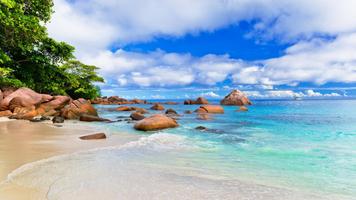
pixel 24 142
pixel 238 156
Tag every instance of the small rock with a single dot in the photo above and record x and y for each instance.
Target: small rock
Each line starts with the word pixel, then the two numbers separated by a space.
pixel 204 117
pixel 95 136
pixel 243 109
pixel 188 112
pixel 157 106
pixel 91 118
pixel 137 116
pixel 170 111
pixel 58 119
pixel 201 128
pixel 124 108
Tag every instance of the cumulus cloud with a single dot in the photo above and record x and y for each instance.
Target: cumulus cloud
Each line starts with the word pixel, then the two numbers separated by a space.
pixel 94 27
pixel 159 68
pixel 210 94
pixel 318 61
pixel 289 94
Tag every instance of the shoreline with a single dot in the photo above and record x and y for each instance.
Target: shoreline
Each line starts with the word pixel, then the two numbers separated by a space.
pixel 23 142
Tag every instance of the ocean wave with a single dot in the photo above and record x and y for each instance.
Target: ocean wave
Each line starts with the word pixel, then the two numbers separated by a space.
pixel 159 142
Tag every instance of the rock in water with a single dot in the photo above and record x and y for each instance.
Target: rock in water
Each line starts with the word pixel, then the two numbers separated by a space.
pixel 242 109
pixel 236 97
pixel 188 112
pixel 200 100
pixel 157 106
pixel 91 118
pixel 201 128
pixel 77 108
pixel 170 111
pixel 57 119
pixel 156 122
pixel 124 108
pixel 137 116
pixel 96 136
pixel 203 116
pixel 215 109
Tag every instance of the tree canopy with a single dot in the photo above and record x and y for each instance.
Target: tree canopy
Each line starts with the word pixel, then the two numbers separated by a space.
pixel 29 57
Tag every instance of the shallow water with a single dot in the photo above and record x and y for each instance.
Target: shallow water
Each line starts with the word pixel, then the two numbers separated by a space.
pixel 277 150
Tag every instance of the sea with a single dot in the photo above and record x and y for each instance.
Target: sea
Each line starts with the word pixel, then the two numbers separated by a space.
pixel 279 149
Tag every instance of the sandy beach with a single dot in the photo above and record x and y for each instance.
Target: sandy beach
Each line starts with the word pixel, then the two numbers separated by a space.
pixel 24 142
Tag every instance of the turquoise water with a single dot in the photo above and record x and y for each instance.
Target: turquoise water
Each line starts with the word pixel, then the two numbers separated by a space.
pixel 307 145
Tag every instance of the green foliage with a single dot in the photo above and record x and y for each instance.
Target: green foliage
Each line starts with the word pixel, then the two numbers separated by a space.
pixel 28 57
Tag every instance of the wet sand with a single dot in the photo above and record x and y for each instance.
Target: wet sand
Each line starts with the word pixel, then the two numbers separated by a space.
pixel 23 142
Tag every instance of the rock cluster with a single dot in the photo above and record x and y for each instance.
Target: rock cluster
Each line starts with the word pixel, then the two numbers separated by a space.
pixel 116 100
pixel 199 101
pixel 25 103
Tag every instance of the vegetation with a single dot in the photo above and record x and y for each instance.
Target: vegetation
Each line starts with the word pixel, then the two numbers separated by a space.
pixel 29 57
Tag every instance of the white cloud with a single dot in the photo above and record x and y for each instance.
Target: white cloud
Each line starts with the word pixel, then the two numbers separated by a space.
pixel 316 61
pixel 95 26
pixel 289 94
pixel 210 94
pixel 163 69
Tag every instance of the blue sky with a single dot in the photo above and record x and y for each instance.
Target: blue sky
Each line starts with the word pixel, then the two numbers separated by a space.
pixel 184 49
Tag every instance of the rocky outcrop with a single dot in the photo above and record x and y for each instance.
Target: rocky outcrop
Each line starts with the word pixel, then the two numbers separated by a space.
pixel 214 109
pixel 23 97
pixel 155 122
pixel 137 116
pixel 199 101
pixel 77 108
pixel 157 106
pixel 96 136
pixel 91 118
pixel 236 97
pixel 116 100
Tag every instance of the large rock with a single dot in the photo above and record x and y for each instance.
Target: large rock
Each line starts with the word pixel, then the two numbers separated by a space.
pixel 236 97
pixel 91 118
pixel 78 108
pixel 57 103
pixel 214 109
pixel 157 106
pixel 1 96
pixel 5 113
pixel 156 122
pixel 96 136
pixel 25 97
pixel 199 101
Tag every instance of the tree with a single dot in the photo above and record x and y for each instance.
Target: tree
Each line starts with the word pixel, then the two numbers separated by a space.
pixel 28 57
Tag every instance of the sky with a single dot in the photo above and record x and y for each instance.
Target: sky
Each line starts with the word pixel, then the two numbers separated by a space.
pixel 170 49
